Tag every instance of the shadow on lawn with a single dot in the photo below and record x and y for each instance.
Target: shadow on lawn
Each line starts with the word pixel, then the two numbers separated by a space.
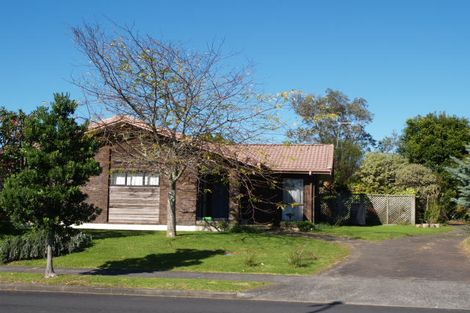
pixel 156 262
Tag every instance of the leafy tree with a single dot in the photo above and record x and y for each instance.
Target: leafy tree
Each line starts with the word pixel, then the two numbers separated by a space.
pixel 59 158
pixel 182 98
pixel 392 174
pixel 11 137
pixel 433 140
pixel 333 119
pixel 419 178
pixel 378 173
pixel 462 173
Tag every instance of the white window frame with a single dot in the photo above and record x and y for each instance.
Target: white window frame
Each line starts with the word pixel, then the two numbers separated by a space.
pixel 146 178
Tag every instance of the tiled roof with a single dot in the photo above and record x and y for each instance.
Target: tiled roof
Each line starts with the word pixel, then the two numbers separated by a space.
pixel 300 158
pixel 129 120
pixel 314 158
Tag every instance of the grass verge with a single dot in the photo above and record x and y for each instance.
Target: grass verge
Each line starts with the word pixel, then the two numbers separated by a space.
pixel 131 282
pixel 201 252
pixel 381 232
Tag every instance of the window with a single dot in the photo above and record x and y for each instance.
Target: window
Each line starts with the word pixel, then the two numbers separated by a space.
pixel 134 179
pixel 152 180
pixel 118 179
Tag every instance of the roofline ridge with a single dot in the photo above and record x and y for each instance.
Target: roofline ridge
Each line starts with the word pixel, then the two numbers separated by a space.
pixel 280 144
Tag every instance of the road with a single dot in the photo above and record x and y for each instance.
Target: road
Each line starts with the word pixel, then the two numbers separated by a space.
pixel 38 302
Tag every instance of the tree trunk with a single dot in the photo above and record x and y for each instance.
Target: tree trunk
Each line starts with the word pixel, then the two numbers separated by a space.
pixel 49 266
pixel 171 210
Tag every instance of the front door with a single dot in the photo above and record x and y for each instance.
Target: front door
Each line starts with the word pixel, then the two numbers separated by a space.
pixel 293 197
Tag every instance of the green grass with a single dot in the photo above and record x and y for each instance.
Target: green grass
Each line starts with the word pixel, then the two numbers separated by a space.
pixel 200 251
pixel 382 232
pixel 131 282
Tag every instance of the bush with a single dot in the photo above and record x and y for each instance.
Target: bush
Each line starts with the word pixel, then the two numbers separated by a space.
pixel 32 245
pixel 433 213
pixel 305 226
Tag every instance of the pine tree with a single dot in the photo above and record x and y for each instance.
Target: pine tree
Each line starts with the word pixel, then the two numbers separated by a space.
pixel 462 174
pixel 59 158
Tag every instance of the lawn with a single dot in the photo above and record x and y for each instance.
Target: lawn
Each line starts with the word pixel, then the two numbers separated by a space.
pixel 203 252
pixel 131 282
pixel 381 232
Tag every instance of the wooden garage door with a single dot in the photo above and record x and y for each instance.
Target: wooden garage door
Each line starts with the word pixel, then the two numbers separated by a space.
pixel 136 205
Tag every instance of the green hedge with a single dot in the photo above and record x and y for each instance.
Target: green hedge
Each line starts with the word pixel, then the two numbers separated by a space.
pixel 32 245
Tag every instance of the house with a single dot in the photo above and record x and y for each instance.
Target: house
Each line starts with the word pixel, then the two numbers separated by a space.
pixel 139 197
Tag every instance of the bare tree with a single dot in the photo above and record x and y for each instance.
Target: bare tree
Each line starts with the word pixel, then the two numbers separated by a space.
pixel 189 105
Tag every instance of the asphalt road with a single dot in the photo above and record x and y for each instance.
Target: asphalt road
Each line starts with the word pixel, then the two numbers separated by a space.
pixel 25 302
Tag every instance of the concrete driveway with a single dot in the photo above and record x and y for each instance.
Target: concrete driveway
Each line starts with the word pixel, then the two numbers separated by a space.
pixel 424 271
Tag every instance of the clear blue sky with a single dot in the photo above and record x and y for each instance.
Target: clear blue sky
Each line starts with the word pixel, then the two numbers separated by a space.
pixel 404 57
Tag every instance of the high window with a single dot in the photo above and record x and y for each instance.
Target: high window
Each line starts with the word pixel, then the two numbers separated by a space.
pixel 134 179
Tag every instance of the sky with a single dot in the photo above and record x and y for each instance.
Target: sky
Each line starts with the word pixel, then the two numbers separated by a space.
pixel 404 57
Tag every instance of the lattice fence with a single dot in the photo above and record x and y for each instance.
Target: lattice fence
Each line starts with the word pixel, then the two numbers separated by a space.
pixel 364 209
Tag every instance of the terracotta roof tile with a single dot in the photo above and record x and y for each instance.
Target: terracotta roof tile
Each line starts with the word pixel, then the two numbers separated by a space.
pixel 315 158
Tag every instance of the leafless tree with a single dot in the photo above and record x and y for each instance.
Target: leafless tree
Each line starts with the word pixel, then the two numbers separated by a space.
pixel 189 104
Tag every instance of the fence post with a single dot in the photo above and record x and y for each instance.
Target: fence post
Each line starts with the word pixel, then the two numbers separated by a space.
pixel 413 211
pixel 388 200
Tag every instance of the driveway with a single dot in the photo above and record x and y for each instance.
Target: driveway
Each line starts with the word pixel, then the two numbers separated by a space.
pixel 435 257
pixel 423 271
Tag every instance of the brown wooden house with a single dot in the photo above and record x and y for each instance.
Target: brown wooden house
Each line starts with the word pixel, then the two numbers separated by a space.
pixel 139 197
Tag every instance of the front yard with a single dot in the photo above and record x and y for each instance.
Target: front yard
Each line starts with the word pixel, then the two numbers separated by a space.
pixel 139 251
pixel 136 251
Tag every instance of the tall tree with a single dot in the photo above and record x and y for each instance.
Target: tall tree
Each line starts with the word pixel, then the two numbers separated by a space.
pixel 333 119
pixel 184 98
pixel 433 140
pixel 59 158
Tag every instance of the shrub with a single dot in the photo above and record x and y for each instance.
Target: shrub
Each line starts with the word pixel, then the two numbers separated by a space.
pixel 32 245
pixel 433 212
pixel 300 258
pixel 305 226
